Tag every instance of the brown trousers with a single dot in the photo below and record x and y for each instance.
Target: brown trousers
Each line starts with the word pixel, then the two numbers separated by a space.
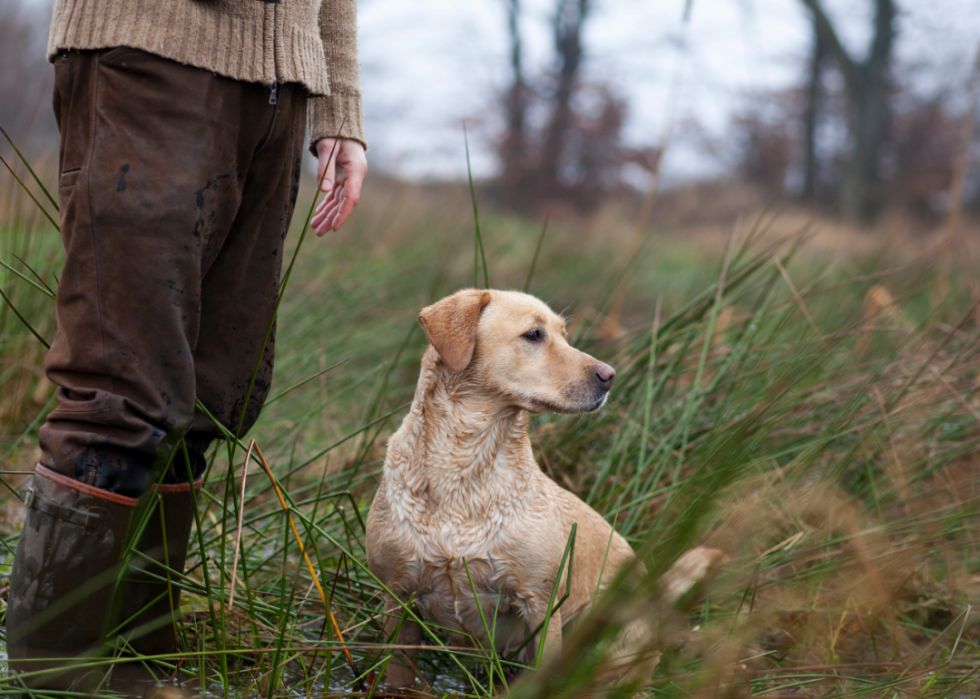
pixel 177 189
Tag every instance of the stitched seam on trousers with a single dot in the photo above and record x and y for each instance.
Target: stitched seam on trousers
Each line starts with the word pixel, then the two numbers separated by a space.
pixel 95 244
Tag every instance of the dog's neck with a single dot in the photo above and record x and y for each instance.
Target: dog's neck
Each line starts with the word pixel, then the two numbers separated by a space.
pixel 458 441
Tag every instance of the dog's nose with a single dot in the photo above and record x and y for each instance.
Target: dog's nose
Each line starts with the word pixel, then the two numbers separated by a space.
pixel 604 372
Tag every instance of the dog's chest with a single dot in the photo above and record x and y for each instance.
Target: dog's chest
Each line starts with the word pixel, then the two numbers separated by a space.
pixel 474 550
pixel 464 518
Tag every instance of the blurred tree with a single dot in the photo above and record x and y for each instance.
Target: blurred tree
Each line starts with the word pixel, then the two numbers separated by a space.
pixel 26 78
pixel 869 108
pixel 591 157
pixel 924 141
pixel 513 178
pixel 764 141
pixel 811 115
pixel 923 169
pixel 572 152
pixel 570 17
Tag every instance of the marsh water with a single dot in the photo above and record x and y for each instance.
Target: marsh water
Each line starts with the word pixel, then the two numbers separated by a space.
pixel 138 685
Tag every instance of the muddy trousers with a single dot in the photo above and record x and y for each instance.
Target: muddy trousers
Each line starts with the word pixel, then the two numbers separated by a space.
pixel 177 188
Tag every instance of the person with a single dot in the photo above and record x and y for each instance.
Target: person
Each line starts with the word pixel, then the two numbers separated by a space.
pixel 182 129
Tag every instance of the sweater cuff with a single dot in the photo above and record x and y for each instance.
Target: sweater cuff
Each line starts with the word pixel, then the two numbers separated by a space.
pixel 336 115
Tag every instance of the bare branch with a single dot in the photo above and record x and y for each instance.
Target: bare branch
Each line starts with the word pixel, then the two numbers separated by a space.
pixel 849 68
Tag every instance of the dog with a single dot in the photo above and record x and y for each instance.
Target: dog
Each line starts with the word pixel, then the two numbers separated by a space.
pixel 462 503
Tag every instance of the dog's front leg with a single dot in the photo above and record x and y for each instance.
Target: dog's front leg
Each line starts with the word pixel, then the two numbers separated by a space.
pixel 401 669
pixel 552 641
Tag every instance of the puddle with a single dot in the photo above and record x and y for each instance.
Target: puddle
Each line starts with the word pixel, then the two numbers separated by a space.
pixel 130 681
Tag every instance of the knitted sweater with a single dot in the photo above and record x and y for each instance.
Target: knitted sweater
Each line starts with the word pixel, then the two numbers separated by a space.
pixel 313 42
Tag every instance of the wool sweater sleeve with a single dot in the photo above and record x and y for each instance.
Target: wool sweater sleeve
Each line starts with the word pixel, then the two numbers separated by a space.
pixel 339 113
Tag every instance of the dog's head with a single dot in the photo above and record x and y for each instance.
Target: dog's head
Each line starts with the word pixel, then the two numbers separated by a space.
pixel 513 347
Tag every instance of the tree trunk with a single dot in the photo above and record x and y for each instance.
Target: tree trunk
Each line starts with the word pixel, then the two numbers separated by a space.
pixel 871 115
pixel 811 116
pixel 569 20
pixel 869 107
pixel 513 178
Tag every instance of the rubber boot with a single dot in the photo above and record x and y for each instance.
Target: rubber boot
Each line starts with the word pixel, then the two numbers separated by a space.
pixel 152 593
pixel 62 581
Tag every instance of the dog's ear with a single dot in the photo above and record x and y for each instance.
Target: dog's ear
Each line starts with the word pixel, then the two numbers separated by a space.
pixel 451 324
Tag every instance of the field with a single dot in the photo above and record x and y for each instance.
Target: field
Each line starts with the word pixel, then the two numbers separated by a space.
pixel 805 399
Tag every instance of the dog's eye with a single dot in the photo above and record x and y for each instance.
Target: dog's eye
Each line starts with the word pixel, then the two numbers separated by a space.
pixel 534 335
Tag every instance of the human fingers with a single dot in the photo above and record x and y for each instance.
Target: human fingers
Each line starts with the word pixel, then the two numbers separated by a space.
pixel 331 211
pixel 345 207
pixel 322 215
pixel 355 169
pixel 328 151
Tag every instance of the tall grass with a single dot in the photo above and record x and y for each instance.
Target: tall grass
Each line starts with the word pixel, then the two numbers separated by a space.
pixel 816 422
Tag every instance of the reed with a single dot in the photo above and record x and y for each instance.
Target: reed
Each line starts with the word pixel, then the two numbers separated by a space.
pixel 768 403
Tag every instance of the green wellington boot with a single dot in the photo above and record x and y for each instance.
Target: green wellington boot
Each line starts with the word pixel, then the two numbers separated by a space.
pixel 152 593
pixel 62 581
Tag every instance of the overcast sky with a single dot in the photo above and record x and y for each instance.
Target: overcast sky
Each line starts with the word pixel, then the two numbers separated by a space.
pixel 429 64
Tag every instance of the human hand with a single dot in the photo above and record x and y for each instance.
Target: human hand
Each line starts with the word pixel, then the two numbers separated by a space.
pixel 345 171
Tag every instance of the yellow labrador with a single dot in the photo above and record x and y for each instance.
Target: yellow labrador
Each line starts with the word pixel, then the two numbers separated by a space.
pixel 460 482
